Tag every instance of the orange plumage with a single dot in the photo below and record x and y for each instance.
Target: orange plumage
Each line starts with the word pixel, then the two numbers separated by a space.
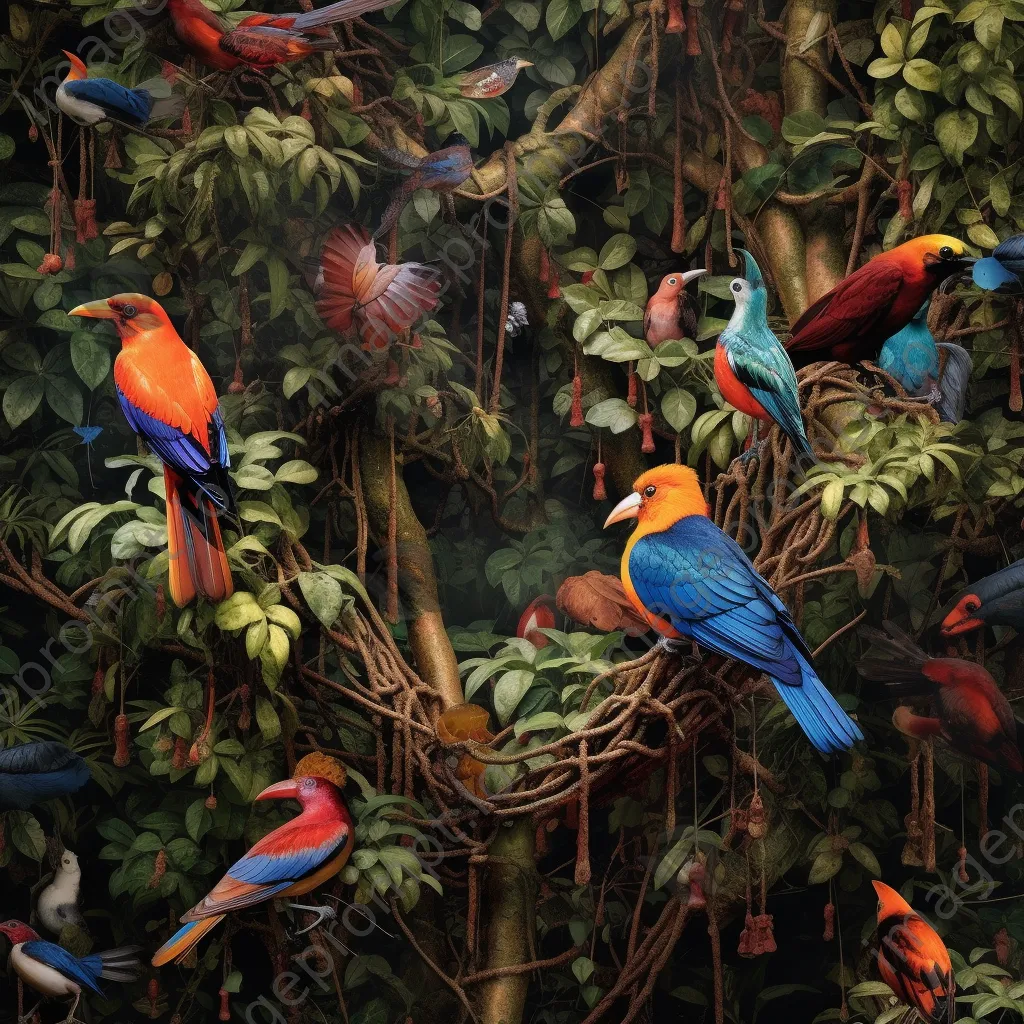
pixel 169 400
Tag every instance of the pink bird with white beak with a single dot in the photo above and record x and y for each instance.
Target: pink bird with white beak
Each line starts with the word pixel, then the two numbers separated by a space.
pixel 669 315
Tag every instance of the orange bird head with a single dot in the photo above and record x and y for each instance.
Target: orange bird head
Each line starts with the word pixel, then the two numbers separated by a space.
pixel 941 255
pixel 78 71
pixel 133 314
pixel 661 497
pixel 890 902
pixel 672 284
pixel 962 617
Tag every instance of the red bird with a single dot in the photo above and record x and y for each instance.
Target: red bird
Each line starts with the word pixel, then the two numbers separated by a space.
pixel 539 614
pixel 170 402
pixel 668 314
pixel 912 959
pixel 853 320
pixel 973 715
pixel 261 40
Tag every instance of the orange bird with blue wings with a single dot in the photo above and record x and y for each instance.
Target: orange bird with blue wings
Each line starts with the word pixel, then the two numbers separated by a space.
pixel 170 402
pixel 292 860
pixel 689 579
pixel 912 960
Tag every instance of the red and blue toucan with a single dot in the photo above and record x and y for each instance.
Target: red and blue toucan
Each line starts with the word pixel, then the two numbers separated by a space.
pixel 170 402
pixel 261 40
pixel 850 322
pixel 91 100
pixel 55 973
pixel 973 715
pixel 689 579
pixel 291 861
pixel 996 600
pixel 33 773
pixel 912 960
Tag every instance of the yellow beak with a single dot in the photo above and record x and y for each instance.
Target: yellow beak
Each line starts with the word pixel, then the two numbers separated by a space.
pixel 98 309
pixel 628 508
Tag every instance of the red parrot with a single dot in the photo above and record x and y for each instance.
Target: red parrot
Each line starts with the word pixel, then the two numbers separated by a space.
pixel 261 40
pixel 973 715
pixel 853 320
pixel 170 402
pixel 292 860
pixel 382 300
pixel 912 959
pixel 668 314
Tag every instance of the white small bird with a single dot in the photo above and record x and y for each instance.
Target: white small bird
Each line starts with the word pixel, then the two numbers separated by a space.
pixel 58 902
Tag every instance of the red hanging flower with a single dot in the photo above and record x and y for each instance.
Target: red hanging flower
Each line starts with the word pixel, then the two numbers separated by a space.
pixel 52 264
pixel 122 751
pixel 159 869
pixel 600 493
pixel 576 415
pixel 646 421
pixel 632 388
pixel 85 220
pixel 830 922
pixel 554 292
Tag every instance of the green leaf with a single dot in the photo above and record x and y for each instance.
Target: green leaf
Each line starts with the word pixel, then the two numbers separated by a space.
pixel 22 398
pixel 922 74
pixel 613 413
pixel 617 252
pixel 509 690
pixel 63 398
pixel 90 359
pixel 561 16
pixel 863 855
pixel 323 594
pixel 956 131
pixel 824 867
pixel 797 128
pixel 678 407
pixel 27 834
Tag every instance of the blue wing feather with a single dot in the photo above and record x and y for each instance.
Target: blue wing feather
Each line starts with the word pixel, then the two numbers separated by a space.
pixel 85 971
pixel 133 105
pixel 171 445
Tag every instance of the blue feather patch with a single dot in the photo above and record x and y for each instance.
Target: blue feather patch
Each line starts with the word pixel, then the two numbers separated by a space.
pixel 88 434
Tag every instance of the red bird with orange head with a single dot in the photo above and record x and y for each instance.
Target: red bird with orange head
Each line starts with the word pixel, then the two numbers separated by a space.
pixel 170 402
pixel 912 960
pixel 973 715
pixel 261 40
pixel 854 319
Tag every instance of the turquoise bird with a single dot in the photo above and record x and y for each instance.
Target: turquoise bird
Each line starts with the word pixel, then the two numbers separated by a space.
pixel 753 370
pixel 1003 271
pixel 928 369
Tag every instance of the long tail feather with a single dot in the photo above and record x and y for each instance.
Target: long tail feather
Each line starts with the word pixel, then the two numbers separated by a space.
pixel 198 562
pixel 829 728
pixel 120 964
pixel 956 376
pixel 345 10
pixel 896 660
pixel 177 947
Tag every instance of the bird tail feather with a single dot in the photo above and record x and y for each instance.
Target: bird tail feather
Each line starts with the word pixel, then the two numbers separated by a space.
pixel 198 563
pixel 179 944
pixel 829 728
pixel 895 660
pixel 956 376
pixel 120 964
pixel 168 107
pixel 344 10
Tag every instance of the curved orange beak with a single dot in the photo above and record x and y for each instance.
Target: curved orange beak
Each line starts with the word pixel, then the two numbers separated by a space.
pixel 960 620
pixel 628 508
pixel 287 790
pixel 98 309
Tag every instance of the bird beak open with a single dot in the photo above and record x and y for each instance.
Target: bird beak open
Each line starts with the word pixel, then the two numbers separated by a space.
pixel 99 309
pixel 287 790
pixel 692 275
pixel 628 508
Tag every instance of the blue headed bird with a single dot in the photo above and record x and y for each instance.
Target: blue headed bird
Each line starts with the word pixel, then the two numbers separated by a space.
pixel 33 773
pixel 689 579
pixel 1003 271
pixel 938 371
pixel 88 101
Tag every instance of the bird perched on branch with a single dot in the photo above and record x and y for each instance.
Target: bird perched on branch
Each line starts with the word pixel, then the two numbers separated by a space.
pixel 292 860
pixel 689 579
pixel 912 960
pixel 381 300
pixel 850 322
pixel 1003 271
pixel 442 171
pixel 91 100
pixel 33 773
pixel 928 369
pixel 493 80
pixel 973 715
pixel 55 973
pixel 170 402
pixel 57 905
pixel 996 600
pixel 670 315
pixel 261 41
pixel 752 369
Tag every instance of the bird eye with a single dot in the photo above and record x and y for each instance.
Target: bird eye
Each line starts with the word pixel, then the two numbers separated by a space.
pixel 737 287
pixel 128 311
pixel 947 253
pixel 671 280
pixel 649 491
pixel 971 606
pixel 309 784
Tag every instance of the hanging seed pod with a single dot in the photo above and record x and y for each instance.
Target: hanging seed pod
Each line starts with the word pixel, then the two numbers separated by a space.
pixel 692 40
pixel 731 23
pixel 600 493
pixel 112 161
pixel 85 220
pixel 52 264
pixel 545 266
pixel 632 387
pixel 159 869
pixel 905 194
pixel 122 751
pixel 1001 944
pixel 746 943
pixel 225 1008
pixel 153 994
pixel 765 934
pixel 675 24
pixel 237 385
pixel 554 292
pixel 69 258
pixel 696 900
pixel 757 825
pixel 962 866
pixel 33 133
pixel 576 414
pixel 97 679
pixel 646 421
pixel 830 922
pixel 210 803
pixel 180 758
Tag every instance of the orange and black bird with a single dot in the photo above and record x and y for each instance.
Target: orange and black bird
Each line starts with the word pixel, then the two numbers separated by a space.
pixel 853 320
pixel 912 959
pixel 973 716
pixel 996 600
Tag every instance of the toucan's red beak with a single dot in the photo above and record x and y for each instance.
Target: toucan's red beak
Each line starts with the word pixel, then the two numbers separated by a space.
pixel 287 790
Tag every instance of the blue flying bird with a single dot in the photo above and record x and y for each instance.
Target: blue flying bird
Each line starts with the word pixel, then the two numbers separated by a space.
pixel 753 370
pixel 1003 271
pixel 36 772
pixel 928 369
pixel 91 100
